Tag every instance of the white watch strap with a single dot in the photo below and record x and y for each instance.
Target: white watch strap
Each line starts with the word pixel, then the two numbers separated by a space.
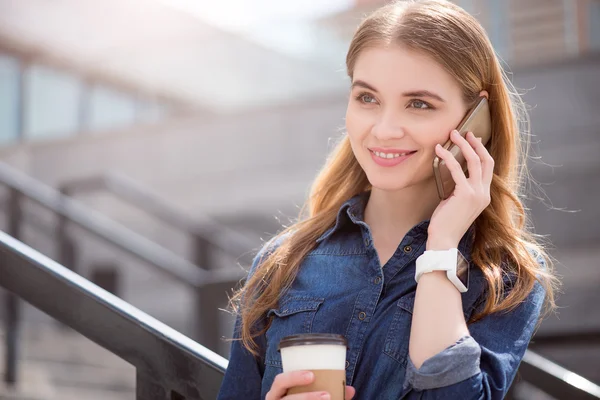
pixel 436 260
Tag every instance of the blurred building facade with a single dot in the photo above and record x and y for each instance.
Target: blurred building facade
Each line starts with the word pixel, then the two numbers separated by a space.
pixel 236 125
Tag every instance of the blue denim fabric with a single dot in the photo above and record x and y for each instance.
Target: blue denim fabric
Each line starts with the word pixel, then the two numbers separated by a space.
pixel 341 288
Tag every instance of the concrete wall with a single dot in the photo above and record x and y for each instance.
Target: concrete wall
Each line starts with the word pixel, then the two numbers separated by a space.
pixel 246 169
pixel 261 162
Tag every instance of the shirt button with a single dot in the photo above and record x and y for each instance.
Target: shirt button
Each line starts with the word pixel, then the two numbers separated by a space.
pixel 407 249
pixel 367 242
pixel 347 364
pixel 362 315
pixel 377 280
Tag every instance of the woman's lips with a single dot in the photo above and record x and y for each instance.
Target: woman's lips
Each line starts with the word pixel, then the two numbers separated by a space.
pixel 390 162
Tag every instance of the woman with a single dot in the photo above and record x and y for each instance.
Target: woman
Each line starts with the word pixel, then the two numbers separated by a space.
pixel 348 266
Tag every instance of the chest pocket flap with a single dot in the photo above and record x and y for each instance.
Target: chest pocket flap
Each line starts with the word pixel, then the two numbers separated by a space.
pixel 294 315
pixel 293 305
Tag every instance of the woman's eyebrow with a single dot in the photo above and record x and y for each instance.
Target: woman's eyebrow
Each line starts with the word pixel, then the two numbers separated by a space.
pixel 423 93
pixel 412 93
pixel 363 84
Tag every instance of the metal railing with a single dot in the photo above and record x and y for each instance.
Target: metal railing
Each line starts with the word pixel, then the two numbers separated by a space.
pixel 207 235
pixel 168 364
pixel 23 271
pixel 572 339
pixel 210 287
pixel 555 380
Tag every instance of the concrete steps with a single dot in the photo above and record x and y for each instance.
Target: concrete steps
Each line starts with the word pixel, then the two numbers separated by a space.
pixel 58 363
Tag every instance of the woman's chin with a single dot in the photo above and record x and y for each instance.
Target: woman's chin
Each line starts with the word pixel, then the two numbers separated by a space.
pixel 387 185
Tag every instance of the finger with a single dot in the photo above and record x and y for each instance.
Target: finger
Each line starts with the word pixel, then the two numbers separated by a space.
pixel 453 166
pixel 286 380
pixel 350 392
pixel 487 161
pixel 473 160
pixel 308 396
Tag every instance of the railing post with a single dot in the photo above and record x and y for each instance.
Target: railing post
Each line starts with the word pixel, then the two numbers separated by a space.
pixel 203 253
pixel 12 301
pixel 510 394
pixel 106 275
pixel 66 249
pixel 149 388
pixel 12 338
pixel 207 319
pixel 65 246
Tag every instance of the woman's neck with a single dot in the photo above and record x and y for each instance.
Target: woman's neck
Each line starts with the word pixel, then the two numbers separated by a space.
pixel 392 214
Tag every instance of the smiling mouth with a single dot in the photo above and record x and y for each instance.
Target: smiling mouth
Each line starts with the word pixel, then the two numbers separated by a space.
pixel 389 156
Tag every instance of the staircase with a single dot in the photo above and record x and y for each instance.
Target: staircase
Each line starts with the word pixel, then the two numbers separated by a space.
pixel 58 363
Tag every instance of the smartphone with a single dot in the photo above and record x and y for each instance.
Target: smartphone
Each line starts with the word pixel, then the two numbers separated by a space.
pixel 477 121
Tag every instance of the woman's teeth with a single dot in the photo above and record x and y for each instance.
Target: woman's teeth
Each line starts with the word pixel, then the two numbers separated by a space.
pixel 389 155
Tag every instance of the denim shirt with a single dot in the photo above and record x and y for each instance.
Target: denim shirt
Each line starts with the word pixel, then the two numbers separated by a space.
pixel 342 288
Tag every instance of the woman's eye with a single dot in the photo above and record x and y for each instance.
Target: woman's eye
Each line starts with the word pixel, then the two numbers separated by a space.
pixel 420 104
pixel 365 98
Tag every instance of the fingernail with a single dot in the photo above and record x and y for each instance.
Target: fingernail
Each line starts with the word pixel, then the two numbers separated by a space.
pixel 308 376
pixel 325 396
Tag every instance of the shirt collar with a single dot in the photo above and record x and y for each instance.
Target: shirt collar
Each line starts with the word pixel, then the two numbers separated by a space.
pixel 352 211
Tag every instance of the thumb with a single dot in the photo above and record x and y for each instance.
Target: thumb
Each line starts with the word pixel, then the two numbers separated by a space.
pixel 350 392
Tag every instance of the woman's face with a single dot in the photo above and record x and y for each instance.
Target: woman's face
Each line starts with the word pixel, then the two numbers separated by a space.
pixel 401 101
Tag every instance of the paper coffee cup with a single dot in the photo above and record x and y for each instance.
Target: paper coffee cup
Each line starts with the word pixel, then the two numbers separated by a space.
pixel 323 354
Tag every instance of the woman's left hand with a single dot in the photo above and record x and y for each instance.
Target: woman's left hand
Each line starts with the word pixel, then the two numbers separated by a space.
pixel 453 216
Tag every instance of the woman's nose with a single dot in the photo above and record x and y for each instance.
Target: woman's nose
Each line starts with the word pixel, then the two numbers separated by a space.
pixel 388 126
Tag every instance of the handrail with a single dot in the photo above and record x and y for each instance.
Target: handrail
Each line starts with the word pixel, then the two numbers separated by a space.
pixel 210 287
pixel 567 338
pixel 556 380
pixel 164 358
pixel 161 259
pixel 219 236
pixel 96 302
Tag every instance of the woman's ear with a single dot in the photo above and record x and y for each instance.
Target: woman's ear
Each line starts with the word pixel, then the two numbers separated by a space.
pixel 485 94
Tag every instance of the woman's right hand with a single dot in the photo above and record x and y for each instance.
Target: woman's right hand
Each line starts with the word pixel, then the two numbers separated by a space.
pixel 288 380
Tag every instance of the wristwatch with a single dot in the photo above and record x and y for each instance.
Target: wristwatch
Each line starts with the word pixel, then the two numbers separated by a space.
pixel 451 261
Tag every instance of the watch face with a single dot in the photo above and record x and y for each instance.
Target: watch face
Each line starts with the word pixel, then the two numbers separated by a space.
pixel 462 270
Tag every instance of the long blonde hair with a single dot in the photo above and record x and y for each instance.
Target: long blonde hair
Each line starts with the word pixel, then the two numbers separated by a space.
pixel 503 239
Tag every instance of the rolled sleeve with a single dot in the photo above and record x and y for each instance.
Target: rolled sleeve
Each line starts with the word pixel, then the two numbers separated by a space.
pixel 483 365
pixel 452 365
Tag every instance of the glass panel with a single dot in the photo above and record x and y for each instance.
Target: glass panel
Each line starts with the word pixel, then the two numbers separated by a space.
pixel 151 111
pixel 498 29
pixel 52 103
pixel 9 99
pixel 109 108
pixel 594 24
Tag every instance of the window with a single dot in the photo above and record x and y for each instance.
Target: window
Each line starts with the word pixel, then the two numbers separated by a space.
pixel 109 108
pixel 150 111
pixel 9 100
pixel 594 24
pixel 52 103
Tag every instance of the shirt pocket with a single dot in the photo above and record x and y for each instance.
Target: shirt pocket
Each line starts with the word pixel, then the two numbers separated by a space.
pixel 396 341
pixel 294 315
